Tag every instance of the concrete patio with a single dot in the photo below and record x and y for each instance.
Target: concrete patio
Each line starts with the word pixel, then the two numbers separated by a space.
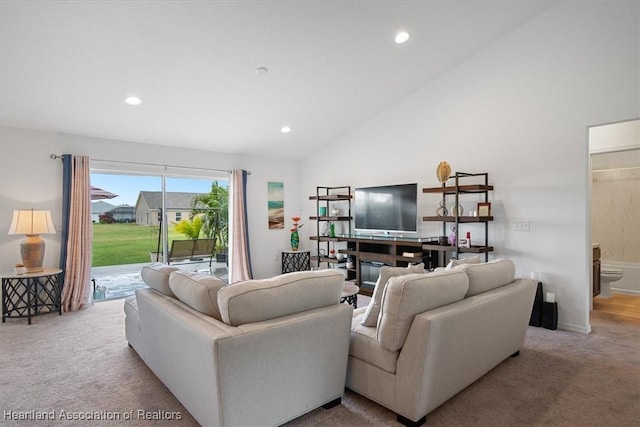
pixel 120 281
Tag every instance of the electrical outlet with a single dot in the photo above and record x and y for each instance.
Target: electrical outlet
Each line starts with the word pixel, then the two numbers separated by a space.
pixel 520 224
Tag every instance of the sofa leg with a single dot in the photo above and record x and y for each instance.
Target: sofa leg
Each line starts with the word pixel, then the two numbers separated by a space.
pixel 334 402
pixel 409 423
pixel 516 354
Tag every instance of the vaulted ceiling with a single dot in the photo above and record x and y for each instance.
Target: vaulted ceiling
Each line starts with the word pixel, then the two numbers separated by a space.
pixel 67 66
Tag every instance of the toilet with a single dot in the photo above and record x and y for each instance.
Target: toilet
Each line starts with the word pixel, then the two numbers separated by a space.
pixel 608 275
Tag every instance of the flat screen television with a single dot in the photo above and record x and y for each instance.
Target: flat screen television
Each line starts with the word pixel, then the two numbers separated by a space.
pixel 387 208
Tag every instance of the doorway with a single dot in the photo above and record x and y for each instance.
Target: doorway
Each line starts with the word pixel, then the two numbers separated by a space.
pixel 614 193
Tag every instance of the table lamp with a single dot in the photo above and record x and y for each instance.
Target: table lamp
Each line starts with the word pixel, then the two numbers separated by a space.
pixel 32 223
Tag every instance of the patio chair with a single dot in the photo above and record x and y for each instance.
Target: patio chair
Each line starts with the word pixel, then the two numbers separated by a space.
pixel 192 250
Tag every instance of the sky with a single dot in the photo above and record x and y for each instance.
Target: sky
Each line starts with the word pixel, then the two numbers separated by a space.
pixel 127 187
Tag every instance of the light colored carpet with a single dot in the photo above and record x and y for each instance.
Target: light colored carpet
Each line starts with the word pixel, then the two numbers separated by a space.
pixel 80 363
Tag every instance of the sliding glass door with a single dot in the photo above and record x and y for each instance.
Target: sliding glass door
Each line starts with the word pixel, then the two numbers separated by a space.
pixel 136 218
pixel 124 229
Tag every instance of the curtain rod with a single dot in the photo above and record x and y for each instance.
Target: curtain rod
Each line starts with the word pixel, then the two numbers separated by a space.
pixel 56 156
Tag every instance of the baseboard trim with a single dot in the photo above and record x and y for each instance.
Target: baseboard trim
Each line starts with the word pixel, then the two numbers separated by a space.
pixel 625 292
pixel 574 328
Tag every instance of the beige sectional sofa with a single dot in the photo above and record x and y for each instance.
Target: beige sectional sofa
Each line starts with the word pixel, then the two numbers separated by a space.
pixel 425 337
pixel 255 353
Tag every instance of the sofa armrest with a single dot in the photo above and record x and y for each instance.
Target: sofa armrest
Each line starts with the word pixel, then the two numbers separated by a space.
pixel 215 369
pixel 179 347
pixel 452 346
pixel 274 362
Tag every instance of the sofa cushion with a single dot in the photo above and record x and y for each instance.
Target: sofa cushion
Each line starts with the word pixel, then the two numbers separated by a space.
pixel 258 300
pixel 370 317
pixel 156 276
pixel 412 294
pixel 364 346
pixel 489 275
pixel 198 291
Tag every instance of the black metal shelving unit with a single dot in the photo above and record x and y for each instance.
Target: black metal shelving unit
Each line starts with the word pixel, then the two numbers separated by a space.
pixel 459 188
pixel 330 197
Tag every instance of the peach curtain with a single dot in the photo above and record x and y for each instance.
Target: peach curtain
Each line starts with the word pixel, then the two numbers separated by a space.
pixel 76 292
pixel 240 257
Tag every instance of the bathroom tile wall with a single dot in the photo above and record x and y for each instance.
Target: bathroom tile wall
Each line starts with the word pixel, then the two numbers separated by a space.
pixel 615 213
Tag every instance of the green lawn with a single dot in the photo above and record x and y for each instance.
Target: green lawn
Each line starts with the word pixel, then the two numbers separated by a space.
pixel 116 244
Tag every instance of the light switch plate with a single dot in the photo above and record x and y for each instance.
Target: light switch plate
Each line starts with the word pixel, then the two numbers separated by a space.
pixel 520 224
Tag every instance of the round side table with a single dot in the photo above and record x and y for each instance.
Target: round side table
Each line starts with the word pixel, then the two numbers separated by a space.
pixel 26 295
pixel 350 294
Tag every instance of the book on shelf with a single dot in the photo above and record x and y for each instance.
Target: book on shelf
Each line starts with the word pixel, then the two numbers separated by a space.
pixel 412 254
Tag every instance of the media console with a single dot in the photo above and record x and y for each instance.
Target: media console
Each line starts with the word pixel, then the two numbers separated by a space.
pixel 367 253
pixel 370 252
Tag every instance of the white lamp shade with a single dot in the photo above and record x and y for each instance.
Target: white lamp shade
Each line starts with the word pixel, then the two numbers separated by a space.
pixel 32 222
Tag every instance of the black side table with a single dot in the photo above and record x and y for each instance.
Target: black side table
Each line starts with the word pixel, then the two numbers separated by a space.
pixel 350 294
pixel 26 295
pixel 296 261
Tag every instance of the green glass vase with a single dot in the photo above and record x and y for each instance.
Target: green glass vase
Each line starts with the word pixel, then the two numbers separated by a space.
pixel 295 240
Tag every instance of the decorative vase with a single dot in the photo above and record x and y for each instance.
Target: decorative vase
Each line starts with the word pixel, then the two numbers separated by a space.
pixel 349 265
pixel 442 210
pixel 443 172
pixel 324 229
pixel 453 235
pixel 295 240
pixel 457 210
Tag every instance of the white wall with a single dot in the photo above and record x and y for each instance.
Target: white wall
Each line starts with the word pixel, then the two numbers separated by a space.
pixel 518 110
pixel 28 178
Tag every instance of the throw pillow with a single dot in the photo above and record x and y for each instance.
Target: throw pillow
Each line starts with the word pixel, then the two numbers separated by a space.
pixel 489 275
pixel 198 291
pixel 156 276
pixel 370 317
pixel 455 262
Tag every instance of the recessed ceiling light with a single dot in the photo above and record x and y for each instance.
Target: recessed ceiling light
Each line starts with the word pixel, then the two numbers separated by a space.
pixel 132 100
pixel 261 71
pixel 285 129
pixel 402 37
